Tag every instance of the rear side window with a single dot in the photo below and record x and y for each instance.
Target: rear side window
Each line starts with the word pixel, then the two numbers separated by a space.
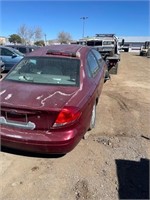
pixel 22 50
pixel 93 64
pixel 52 71
pixel 98 57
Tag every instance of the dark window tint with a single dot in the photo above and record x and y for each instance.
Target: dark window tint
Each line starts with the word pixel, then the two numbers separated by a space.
pixel 22 49
pixel 5 52
pixel 94 43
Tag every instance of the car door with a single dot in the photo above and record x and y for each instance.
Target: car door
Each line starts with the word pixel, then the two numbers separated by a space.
pixel 8 57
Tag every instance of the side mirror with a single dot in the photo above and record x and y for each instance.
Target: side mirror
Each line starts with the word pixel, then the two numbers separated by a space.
pixel 122 43
pixel 14 55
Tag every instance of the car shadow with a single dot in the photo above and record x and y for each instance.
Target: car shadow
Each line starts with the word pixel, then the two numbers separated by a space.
pixel 133 179
pixel 29 154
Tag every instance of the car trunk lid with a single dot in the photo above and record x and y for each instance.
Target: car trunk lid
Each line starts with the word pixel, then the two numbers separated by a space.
pixel 32 106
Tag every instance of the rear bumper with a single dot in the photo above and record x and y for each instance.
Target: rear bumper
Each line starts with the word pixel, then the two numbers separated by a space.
pixel 55 142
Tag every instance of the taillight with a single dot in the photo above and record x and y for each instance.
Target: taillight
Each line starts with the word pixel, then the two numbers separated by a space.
pixel 67 116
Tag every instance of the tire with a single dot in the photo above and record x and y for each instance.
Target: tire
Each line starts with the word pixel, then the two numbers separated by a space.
pixel 141 53
pixel 93 117
pixel 92 123
pixel 107 76
pixel 114 69
pixel 126 50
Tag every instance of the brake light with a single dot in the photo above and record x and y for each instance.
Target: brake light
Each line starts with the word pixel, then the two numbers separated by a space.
pixel 61 53
pixel 67 116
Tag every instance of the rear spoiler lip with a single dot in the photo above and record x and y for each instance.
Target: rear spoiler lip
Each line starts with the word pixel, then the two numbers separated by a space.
pixel 28 110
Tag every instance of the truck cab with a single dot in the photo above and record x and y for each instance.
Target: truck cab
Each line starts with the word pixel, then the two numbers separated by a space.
pixel 108 46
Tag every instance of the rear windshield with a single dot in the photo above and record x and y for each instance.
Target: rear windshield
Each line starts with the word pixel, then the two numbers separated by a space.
pixel 94 43
pixel 51 71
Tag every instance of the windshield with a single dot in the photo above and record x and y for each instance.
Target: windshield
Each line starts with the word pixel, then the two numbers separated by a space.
pixel 52 71
pixel 108 42
pixel 94 43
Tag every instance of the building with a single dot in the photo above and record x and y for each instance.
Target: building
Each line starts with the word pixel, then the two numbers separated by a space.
pixel 3 40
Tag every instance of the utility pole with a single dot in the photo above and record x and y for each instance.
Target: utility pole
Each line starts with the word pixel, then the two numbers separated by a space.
pixel 45 40
pixel 83 18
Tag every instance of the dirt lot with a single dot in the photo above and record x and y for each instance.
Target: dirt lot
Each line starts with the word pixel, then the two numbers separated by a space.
pixel 112 163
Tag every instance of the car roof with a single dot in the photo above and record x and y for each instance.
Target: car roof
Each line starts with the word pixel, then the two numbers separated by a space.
pixel 62 48
pixel 21 45
pixel 10 48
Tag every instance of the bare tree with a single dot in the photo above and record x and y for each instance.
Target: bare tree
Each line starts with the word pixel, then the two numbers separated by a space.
pixel 38 33
pixel 29 35
pixel 64 37
pixel 23 33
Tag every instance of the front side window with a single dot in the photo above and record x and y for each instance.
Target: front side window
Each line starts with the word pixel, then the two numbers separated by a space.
pixel 51 71
pixel 6 52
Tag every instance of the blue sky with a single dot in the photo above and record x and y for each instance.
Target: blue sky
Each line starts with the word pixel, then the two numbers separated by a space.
pixel 124 18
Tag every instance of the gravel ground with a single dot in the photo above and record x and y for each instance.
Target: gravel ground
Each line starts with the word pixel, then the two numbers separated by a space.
pixel 112 163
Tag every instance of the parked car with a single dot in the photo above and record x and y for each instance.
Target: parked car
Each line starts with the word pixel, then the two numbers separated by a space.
pixel 48 100
pixel 10 57
pixel 2 67
pixel 23 48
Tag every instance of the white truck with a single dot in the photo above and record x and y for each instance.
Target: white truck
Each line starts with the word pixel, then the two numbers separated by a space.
pixel 108 46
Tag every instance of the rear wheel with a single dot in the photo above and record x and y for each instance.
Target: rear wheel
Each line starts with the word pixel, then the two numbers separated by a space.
pixel 93 117
pixel 107 76
pixel 92 122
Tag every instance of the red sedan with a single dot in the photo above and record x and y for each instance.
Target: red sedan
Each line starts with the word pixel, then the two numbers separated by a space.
pixel 48 100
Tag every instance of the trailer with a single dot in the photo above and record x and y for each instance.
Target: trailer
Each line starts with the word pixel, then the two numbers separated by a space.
pixel 108 46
